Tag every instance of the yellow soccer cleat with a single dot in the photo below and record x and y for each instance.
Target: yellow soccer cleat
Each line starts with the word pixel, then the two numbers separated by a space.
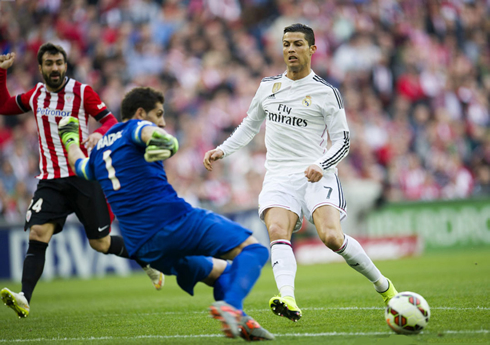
pixel 390 293
pixel 16 301
pixel 285 306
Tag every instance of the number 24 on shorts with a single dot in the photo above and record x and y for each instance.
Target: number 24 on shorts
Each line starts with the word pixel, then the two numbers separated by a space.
pixel 37 206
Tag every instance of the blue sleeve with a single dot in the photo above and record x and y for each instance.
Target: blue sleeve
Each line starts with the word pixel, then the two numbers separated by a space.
pixel 136 132
pixel 82 169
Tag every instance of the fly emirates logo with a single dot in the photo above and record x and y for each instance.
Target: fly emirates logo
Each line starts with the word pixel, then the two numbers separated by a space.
pixel 283 115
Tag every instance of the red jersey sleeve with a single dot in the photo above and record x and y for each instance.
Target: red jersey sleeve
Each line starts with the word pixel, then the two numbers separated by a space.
pixel 98 110
pixel 13 105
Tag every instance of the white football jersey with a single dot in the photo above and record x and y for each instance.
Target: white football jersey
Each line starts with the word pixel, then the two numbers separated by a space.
pixel 299 114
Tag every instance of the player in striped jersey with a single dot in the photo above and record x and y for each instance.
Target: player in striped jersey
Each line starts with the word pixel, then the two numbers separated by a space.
pixel 301 112
pixel 59 192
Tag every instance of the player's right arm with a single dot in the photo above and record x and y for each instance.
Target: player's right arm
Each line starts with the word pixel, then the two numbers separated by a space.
pixel 159 144
pixel 242 135
pixel 11 105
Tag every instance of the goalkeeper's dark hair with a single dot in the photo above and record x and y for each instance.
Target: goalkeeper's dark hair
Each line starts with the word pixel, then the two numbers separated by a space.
pixel 140 97
pixel 298 27
pixel 52 49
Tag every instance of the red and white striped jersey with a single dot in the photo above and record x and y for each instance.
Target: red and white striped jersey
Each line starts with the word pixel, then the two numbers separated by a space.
pixel 74 99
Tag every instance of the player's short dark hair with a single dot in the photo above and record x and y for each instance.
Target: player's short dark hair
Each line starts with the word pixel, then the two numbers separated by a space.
pixel 298 27
pixel 140 97
pixel 50 48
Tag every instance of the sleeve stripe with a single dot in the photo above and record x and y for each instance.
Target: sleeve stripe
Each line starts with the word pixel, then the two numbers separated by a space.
pixel 335 90
pixel 342 202
pixel 102 114
pixel 331 162
pixel 81 168
pixel 18 100
pixel 272 78
pixel 137 133
pixel 341 153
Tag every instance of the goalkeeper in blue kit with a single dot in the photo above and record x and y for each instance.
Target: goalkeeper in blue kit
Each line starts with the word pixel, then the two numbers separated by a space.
pixel 157 225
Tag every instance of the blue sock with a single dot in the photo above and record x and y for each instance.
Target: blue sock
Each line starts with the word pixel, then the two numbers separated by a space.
pixel 222 284
pixel 244 272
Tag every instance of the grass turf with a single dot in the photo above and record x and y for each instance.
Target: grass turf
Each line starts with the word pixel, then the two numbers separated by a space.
pixel 339 307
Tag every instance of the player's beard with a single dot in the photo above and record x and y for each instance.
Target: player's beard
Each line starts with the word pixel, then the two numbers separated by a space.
pixel 54 84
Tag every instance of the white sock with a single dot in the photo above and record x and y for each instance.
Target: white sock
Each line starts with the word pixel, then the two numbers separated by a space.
pixel 283 266
pixel 357 258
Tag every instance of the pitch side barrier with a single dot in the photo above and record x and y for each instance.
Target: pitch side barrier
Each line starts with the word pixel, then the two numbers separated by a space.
pixel 69 254
pixel 395 231
pixel 409 229
pixel 441 224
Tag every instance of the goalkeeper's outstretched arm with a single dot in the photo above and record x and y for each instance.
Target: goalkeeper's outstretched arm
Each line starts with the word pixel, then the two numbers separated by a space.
pixel 159 144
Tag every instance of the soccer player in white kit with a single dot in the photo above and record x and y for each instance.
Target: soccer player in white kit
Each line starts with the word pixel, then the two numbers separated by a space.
pixel 301 111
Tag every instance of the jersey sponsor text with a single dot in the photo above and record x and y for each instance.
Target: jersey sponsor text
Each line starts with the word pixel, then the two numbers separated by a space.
pixel 53 112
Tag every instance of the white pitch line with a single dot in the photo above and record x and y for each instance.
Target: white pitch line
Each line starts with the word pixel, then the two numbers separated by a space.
pixel 316 309
pixel 381 308
pixel 325 334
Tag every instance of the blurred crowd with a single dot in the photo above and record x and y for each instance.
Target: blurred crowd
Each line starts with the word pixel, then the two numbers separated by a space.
pixel 414 75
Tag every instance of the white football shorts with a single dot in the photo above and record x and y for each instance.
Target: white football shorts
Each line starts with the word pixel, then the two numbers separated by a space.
pixel 293 192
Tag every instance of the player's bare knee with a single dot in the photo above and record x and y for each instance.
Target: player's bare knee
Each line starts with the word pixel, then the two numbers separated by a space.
pixel 277 232
pixel 218 268
pixel 332 239
pixel 41 233
pixel 237 250
pixel 101 244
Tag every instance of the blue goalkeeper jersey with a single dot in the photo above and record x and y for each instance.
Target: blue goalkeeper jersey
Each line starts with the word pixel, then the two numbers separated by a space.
pixel 139 193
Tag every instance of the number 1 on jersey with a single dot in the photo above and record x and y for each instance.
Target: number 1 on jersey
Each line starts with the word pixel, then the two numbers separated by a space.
pixel 116 185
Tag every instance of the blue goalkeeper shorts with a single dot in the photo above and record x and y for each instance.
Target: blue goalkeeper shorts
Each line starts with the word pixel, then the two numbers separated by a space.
pixel 184 247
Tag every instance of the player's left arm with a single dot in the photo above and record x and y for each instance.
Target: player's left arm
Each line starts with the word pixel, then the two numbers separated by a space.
pixel 98 110
pixel 338 132
pixel 68 129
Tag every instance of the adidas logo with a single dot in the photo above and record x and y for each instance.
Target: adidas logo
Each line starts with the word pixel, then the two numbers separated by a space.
pixel 275 263
pixel 273 96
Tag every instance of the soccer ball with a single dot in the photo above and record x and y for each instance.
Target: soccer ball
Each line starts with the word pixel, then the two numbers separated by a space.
pixel 407 313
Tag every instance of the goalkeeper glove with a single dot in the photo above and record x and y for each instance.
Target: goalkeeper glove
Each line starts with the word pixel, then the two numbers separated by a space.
pixel 68 130
pixel 160 147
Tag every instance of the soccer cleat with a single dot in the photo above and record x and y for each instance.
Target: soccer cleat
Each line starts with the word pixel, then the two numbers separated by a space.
pixel 229 317
pixel 250 330
pixel 390 293
pixel 285 306
pixel 157 277
pixel 15 301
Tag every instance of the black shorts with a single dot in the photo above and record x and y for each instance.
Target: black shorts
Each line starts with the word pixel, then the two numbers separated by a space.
pixel 55 199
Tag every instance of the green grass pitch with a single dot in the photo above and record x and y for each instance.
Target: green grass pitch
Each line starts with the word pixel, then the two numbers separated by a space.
pixel 339 307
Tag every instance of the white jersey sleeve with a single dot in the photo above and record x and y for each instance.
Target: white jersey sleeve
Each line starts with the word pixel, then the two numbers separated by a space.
pixel 248 129
pixel 338 131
